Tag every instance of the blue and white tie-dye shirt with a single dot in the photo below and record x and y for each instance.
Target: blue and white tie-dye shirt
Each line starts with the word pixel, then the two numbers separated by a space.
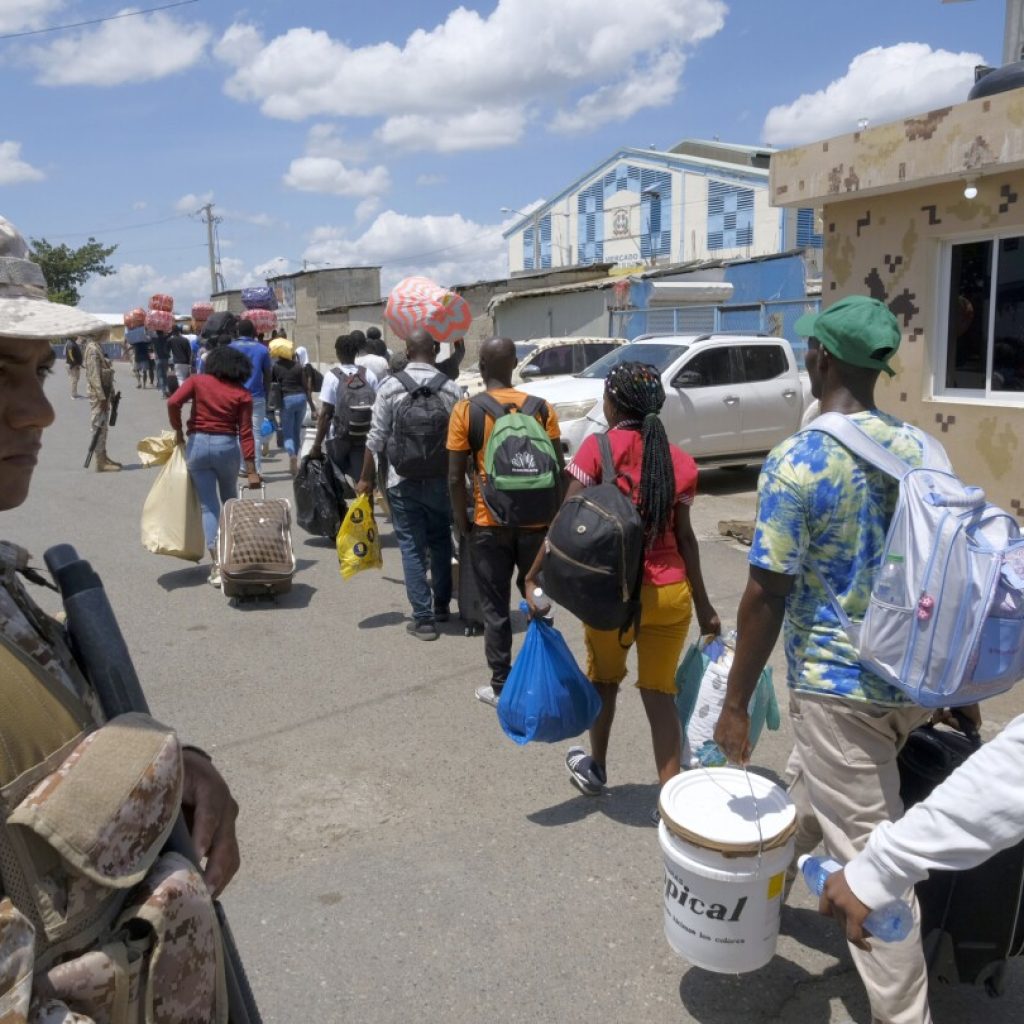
pixel 820 506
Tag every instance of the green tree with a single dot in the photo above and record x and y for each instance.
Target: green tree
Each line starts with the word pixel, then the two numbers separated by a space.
pixel 66 269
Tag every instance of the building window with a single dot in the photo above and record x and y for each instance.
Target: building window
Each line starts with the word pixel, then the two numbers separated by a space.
pixel 730 216
pixel 529 236
pixel 655 214
pixel 545 241
pixel 984 349
pixel 590 216
pixel 806 237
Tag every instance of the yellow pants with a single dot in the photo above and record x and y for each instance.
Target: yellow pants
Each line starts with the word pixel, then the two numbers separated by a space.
pixel 665 614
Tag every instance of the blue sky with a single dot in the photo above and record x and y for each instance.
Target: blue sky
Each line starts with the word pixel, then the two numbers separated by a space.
pixel 393 132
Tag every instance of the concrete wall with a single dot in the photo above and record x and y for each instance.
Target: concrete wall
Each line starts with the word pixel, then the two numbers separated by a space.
pixel 893 202
pixel 543 316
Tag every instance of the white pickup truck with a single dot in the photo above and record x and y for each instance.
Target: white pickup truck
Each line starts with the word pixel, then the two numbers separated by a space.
pixel 729 398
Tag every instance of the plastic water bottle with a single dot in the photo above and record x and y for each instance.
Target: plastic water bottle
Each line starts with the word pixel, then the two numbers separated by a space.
pixel 890 923
pixel 711 755
pixel 889 587
pixel 540 599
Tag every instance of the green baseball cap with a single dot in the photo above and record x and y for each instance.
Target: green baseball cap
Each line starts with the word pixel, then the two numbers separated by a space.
pixel 856 330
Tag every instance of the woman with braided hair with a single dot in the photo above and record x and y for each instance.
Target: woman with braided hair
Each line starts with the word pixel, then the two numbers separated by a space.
pixel 662 481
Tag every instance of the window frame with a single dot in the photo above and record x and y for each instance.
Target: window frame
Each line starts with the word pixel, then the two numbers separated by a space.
pixel 770 346
pixel 735 367
pixel 940 354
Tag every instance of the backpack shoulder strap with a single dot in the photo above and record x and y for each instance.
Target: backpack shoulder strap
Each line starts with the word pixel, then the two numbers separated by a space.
pixel 608 473
pixel 406 381
pixel 436 382
pixel 850 436
pixel 339 374
pixel 537 408
pixel 480 407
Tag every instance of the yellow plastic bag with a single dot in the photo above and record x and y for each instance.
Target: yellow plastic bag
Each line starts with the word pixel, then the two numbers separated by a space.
pixel 172 521
pixel 359 540
pixel 155 451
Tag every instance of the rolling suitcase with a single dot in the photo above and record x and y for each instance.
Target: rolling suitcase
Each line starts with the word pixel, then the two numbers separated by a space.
pixel 971 921
pixel 254 546
pixel 467 593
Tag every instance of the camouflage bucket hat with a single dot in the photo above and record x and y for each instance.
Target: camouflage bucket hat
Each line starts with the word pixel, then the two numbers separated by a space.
pixel 25 310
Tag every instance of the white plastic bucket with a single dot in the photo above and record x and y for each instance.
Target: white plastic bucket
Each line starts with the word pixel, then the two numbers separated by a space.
pixel 726 854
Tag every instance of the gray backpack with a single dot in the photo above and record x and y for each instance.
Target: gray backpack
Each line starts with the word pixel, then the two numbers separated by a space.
pixel 353 412
pixel 945 621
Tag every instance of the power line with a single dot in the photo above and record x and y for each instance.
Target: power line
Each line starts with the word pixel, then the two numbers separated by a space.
pixel 96 21
pixel 124 227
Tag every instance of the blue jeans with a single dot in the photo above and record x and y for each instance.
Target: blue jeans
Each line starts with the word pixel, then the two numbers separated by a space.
pixel 213 462
pixel 161 374
pixel 422 516
pixel 292 414
pixel 259 414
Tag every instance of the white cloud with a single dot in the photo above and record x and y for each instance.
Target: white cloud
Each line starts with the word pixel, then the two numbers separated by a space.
pixel 483 128
pixel 192 202
pixel 26 15
pixel 133 283
pixel 449 87
pixel 326 174
pixel 429 180
pixel 367 209
pixel 14 170
pixel 449 249
pixel 652 85
pixel 138 49
pixel 139 204
pixel 881 84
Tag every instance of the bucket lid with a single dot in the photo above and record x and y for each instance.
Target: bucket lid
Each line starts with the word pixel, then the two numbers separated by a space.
pixel 713 808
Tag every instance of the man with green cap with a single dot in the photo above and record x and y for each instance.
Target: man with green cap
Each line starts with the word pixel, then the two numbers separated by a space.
pixel 823 515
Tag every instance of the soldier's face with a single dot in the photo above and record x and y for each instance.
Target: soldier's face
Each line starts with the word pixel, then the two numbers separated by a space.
pixel 24 413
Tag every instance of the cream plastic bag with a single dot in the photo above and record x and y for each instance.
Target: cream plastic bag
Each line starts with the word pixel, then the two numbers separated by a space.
pixel 155 451
pixel 172 521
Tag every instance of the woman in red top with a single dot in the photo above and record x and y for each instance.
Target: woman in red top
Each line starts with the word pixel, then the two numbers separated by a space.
pixel 221 415
pixel 664 482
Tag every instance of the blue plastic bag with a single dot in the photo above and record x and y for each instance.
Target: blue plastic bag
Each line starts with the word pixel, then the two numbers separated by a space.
pixel 546 697
pixel 266 427
pixel 763 707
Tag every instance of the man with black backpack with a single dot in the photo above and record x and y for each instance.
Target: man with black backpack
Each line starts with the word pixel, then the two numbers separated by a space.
pixel 517 466
pixel 347 395
pixel 410 426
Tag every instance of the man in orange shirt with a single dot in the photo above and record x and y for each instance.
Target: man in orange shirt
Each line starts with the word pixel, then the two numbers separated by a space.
pixel 508 526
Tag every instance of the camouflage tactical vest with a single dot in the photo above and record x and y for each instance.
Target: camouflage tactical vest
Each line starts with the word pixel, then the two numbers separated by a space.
pixel 95 923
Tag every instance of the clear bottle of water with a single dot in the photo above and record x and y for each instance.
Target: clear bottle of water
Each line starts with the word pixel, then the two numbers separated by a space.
pixel 541 600
pixel 890 923
pixel 890 587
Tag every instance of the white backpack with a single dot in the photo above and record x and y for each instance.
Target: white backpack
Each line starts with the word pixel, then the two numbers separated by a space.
pixel 945 621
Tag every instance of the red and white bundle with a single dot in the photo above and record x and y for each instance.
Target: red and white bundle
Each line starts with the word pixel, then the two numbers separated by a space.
pixel 417 302
pixel 202 311
pixel 135 318
pixel 159 320
pixel 162 303
pixel 263 320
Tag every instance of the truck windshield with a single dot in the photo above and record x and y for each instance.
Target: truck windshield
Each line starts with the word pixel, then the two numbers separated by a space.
pixel 658 356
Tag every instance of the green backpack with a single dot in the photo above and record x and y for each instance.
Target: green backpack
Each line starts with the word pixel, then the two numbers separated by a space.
pixel 520 464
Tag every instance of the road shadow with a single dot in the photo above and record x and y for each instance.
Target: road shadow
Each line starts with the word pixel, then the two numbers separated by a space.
pixel 782 990
pixel 381 620
pixel 190 576
pixel 319 542
pixel 629 804
pixel 767 773
pixel 723 482
pixel 813 930
pixel 298 597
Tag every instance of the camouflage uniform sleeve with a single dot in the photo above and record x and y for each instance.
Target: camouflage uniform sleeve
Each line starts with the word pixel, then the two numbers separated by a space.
pixel 93 366
pixel 17 958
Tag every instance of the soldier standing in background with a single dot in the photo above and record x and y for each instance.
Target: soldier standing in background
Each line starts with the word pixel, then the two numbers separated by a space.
pixel 99 376
pixel 73 357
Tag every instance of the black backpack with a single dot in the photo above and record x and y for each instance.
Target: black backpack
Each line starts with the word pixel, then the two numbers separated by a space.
pixel 353 412
pixel 593 561
pixel 220 323
pixel 418 446
pixel 314 377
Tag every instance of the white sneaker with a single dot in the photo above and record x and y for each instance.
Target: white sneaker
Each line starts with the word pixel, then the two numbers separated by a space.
pixel 214 579
pixel 486 695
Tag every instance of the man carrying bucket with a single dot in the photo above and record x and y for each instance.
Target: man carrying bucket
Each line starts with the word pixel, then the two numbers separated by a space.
pixel 820 510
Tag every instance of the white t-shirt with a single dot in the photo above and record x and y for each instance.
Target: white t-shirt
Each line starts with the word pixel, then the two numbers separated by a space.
pixel 377 365
pixel 329 392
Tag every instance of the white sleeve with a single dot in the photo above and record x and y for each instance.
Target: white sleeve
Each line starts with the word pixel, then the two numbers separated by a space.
pixel 329 390
pixel 975 813
pixel 372 379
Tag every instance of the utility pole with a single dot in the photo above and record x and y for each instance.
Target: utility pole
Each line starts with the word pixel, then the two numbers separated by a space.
pixel 1013 33
pixel 210 220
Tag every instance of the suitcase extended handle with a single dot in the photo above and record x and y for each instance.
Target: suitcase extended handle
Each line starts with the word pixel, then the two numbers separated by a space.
pixel 262 489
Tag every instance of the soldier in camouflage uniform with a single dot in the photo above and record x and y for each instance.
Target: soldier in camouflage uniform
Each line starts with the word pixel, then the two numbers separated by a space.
pixel 99 376
pixel 97 923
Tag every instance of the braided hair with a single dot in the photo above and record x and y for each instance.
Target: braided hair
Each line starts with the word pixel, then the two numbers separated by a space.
pixel 636 391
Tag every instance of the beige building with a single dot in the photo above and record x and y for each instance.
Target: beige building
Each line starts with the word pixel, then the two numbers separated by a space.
pixel 927 215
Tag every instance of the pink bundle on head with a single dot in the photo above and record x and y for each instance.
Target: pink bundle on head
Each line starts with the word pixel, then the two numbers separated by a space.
pixel 417 303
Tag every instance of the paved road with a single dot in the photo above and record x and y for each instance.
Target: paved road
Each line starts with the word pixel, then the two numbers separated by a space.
pixel 402 859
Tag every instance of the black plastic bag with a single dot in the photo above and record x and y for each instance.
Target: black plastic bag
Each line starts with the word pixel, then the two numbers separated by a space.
pixel 319 505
